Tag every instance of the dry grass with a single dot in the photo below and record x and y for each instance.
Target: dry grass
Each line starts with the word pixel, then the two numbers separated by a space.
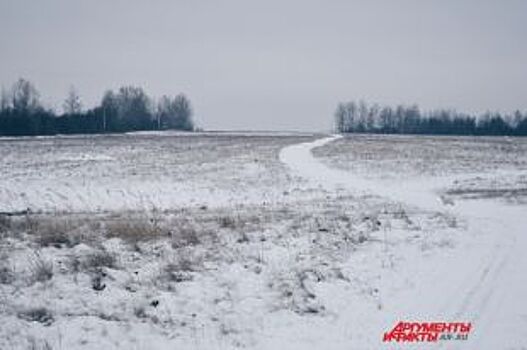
pixel 60 232
pixel 57 233
pixel 296 292
pixel 47 230
pixel 241 221
pixel 37 314
pixel 7 275
pixel 30 224
pixel 134 230
pixel 41 269
pixel 185 235
pixel 5 223
pixel 99 259
pixel 180 269
pixel 39 345
pixel 227 222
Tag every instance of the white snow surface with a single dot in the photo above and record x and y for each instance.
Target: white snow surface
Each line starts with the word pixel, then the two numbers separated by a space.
pixel 291 251
pixel 140 171
pixel 484 284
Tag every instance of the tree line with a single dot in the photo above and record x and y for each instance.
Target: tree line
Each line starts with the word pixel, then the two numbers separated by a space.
pixel 360 117
pixel 127 109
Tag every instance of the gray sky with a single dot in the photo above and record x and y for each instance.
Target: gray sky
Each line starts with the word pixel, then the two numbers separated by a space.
pixel 272 64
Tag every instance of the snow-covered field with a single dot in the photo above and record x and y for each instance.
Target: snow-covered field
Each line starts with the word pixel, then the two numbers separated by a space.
pixel 260 241
pixel 140 171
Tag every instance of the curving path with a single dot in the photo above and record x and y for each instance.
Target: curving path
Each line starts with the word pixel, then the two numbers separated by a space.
pixel 485 284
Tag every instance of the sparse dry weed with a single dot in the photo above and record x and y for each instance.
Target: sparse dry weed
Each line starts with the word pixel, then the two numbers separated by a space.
pixel 41 269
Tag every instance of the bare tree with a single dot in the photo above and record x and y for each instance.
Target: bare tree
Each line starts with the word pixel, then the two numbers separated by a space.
pixel 133 106
pixel 340 118
pixel 109 111
pixel 516 118
pixel 174 113
pixel 411 119
pixel 4 100
pixel 183 113
pixel 25 97
pixel 363 116
pixel 373 116
pixel 72 104
pixel 351 116
pixel 164 112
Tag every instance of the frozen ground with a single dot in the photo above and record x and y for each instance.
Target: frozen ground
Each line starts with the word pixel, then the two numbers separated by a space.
pixel 470 167
pixel 224 241
pixel 481 283
pixel 140 171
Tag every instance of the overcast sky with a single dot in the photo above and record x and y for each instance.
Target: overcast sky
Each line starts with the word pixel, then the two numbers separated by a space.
pixel 273 64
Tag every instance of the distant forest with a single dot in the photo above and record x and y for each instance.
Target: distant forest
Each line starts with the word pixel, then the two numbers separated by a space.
pixel 127 109
pixel 360 117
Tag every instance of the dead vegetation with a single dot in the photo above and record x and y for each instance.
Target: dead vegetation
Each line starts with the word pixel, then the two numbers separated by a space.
pixel 37 314
pixel 183 228
pixel 47 230
pixel 182 249
pixel 34 344
pixel 5 223
pixel 296 292
pixel 132 230
pixel 486 193
pixel 179 269
pixel 99 259
pixel 41 270
pixel 7 275
pixel 185 235
pixel 227 222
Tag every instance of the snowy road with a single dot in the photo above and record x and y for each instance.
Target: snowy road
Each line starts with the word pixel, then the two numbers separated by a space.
pixel 482 281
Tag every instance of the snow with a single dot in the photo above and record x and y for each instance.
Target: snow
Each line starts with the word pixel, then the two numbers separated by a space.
pixel 482 284
pixel 258 242
pixel 139 171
